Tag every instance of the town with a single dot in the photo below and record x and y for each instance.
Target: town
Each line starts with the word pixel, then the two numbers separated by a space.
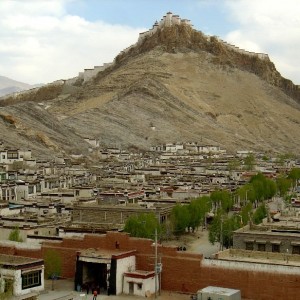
pixel 77 208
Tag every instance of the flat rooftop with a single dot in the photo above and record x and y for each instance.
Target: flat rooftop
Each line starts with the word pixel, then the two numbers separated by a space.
pixel 18 261
pixel 271 258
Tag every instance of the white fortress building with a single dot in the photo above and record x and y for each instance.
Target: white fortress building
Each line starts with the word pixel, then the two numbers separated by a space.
pixel 167 21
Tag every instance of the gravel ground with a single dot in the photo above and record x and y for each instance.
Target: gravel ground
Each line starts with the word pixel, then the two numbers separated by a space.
pixel 63 290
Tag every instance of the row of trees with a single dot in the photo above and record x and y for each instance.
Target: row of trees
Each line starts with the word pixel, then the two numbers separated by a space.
pixel 223 225
pixel 250 197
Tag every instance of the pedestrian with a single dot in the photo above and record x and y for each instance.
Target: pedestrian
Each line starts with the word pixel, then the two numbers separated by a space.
pixel 95 295
pixel 87 288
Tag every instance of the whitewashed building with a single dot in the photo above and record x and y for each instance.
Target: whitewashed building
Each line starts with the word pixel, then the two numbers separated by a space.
pixel 23 276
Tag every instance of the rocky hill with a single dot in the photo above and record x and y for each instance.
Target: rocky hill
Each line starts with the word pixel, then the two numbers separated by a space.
pixel 175 84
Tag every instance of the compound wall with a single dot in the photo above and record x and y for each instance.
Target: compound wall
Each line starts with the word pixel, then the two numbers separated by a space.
pixel 181 271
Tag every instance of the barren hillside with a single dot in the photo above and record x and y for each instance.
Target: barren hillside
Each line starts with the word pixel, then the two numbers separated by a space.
pixel 171 87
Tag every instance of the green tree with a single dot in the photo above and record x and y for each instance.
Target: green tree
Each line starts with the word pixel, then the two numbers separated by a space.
pixel 246 194
pixel 180 218
pixel 222 199
pixel 14 235
pixel 283 185
pixel 259 214
pixel 197 211
pixel 294 176
pixel 221 229
pixel 142 225
pixel 249 162
pixel 245 212
pixel 234 164
pixel 264 188
pixel 53 264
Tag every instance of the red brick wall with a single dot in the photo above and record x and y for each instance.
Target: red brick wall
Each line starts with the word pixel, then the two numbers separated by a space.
pixel 182 271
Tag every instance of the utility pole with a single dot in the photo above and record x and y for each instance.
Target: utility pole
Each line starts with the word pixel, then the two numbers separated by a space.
pixel 221 235
pixel 155 263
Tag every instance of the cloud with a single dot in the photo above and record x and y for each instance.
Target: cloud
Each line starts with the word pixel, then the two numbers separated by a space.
pixel 41 42
pixel 271 27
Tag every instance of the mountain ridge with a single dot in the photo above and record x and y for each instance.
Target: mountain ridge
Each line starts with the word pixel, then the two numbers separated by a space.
pixel 174 84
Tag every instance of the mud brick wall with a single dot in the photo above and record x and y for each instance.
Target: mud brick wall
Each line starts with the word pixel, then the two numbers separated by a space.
pixel 181 271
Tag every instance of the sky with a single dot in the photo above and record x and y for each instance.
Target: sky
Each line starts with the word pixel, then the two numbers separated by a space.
pixel 46 40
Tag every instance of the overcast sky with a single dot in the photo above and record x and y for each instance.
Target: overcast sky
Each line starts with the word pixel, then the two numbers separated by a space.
pixel 46 40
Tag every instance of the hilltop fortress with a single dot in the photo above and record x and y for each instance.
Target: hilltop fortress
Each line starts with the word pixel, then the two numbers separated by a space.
pixel 167 21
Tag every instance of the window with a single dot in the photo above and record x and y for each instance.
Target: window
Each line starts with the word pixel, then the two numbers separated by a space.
pixel 31 279
pixel 249 245
pixel 8 286
pixel 139 286
pixel 12 155
pixel 275 248
pixel 261 247
pixel 30 189
pixel 296 249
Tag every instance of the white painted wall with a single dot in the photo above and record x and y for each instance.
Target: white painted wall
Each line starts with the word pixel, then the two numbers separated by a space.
pixel 17 286
pixel 148 286
pixel 251 266
pixel 123 265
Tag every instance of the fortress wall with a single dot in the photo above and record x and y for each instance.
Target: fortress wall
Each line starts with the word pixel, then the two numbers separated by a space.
pixel 91 73
pixel 262 56
pixel 72 81
pixel 168 20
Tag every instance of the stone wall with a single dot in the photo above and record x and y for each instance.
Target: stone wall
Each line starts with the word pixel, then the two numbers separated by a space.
pixel 284 241
pixel 181 271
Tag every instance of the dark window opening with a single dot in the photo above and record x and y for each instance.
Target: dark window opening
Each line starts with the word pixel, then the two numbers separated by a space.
pixel 249 246
pixel 31 280
pixel 275 248
pixel 261 247
pixel 296 250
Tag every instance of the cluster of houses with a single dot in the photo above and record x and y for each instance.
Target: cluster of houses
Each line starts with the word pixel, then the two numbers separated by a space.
pixel 67 197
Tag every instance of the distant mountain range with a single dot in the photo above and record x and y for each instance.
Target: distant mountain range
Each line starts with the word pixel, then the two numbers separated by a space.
pixel 9 86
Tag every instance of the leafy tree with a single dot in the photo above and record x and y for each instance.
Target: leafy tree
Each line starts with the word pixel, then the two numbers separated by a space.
pixel 195 214
pixel 259 214
pixel 221 229
pixel 249 162
pixel 180 218
pixel 246 193
pixel 294 176
pixel 142 225
pixel 283 157
pixel 15 235
pixel 222 199
pixel 283 185
pixel 53 263
pixel 197 211
pixel 245 212
pixel 234 164
pixel 264 188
